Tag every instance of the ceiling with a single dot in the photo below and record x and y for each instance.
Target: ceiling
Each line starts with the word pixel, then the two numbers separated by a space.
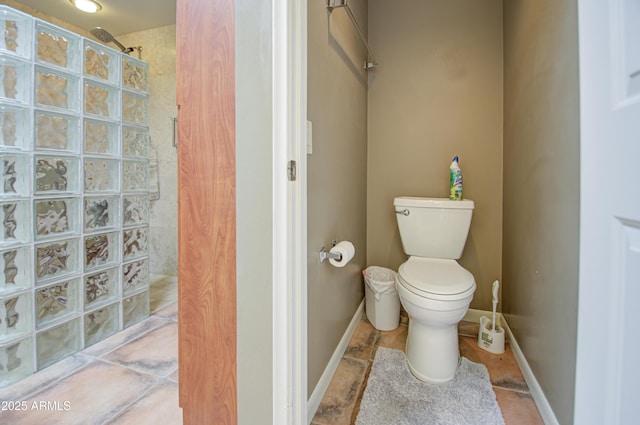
pixel 117 16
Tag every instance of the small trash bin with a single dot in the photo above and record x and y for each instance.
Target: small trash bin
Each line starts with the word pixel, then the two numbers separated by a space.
pixel 382 303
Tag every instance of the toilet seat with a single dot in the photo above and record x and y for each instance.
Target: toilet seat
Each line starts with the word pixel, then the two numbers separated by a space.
pixel 436 278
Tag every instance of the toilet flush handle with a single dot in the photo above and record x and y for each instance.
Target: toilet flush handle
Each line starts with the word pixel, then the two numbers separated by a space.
pixel 403 212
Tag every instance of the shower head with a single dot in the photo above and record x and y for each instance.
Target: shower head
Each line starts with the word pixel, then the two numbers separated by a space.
pixel 106 37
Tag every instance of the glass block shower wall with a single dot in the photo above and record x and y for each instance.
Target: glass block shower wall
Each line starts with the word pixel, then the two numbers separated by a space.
pixel 74 204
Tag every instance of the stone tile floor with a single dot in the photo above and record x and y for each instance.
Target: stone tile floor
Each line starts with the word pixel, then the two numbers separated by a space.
pixel 341 402
pixel 129 378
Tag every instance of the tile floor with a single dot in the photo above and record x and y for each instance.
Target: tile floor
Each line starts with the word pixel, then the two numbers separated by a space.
pixel 342 400
pixel 129 378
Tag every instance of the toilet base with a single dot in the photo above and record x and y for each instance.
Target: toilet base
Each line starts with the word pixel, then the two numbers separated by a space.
pixel 433 352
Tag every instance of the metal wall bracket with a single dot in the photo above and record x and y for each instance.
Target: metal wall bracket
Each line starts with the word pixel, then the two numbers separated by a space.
pixel 370 63
pixel 324 254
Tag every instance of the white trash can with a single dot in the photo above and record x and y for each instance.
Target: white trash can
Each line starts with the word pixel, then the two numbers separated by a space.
pixel 382 303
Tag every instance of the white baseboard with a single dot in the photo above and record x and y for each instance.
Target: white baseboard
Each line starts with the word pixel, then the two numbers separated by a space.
pixel 330 370
pixel 548 417
pixel 474 316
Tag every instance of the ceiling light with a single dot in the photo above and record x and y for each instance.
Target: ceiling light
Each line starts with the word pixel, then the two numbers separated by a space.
pixel 88 6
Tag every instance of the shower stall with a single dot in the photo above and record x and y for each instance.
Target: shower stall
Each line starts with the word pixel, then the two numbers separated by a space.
pixel 74 203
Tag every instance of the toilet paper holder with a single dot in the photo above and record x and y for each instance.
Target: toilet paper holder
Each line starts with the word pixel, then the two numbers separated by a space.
pixel 324 254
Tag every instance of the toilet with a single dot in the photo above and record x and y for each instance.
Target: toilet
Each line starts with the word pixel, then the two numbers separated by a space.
pixel 434 289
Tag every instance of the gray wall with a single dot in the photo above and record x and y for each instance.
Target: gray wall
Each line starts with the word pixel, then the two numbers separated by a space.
pixel 254 218
pixel 541 191
pixel 336 189
pixel 436 94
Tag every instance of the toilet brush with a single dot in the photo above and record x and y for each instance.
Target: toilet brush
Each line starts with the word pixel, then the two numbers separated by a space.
pixel 494 291
pixel 491 339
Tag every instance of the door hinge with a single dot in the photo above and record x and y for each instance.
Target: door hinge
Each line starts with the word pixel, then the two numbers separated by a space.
pixel 291 170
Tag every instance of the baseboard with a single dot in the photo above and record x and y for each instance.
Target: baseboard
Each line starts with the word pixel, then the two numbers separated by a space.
pixel 330 370
pixel 474 316
pixel 548 417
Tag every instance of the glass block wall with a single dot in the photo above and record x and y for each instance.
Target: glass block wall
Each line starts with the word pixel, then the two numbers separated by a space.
pixel 74 204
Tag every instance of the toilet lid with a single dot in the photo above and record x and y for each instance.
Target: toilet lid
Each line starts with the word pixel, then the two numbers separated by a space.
pixel 435 276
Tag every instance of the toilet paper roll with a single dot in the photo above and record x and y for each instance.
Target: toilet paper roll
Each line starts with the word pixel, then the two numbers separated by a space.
pixel 346 249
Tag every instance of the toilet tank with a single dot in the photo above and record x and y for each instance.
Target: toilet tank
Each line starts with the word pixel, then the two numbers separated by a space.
pixel 433 227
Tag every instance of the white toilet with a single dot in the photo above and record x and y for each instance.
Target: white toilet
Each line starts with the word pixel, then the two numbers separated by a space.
pixel 433 288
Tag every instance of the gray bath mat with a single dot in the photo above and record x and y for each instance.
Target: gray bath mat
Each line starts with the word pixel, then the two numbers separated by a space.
pixel 394 396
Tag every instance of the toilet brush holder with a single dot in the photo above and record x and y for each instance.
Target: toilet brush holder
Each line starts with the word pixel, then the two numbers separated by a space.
pixel 491 340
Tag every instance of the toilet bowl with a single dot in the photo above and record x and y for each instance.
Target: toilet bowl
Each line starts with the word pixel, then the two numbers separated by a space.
pixel 436 294
pixel 433 288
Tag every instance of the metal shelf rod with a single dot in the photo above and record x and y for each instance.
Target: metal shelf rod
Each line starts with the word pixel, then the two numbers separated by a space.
pixel 370 62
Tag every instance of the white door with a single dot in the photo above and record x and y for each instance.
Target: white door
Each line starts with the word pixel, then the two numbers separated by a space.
pixel 607 374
